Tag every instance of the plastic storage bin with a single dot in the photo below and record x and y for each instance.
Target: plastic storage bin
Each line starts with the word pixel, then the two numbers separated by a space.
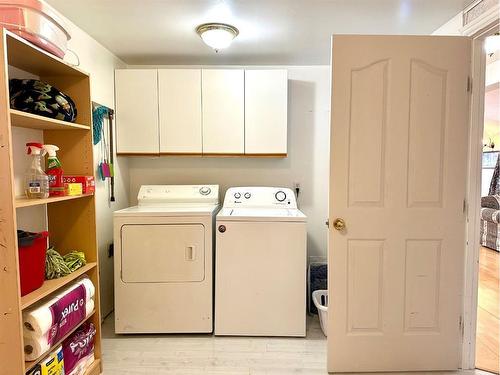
pixel 32 251
pixel 36 22
pixel 320 299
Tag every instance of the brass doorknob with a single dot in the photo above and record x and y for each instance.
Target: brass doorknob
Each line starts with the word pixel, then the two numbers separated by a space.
pixel 339 224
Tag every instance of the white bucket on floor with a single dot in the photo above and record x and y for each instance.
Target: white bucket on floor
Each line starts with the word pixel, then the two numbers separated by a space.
pixel 320 299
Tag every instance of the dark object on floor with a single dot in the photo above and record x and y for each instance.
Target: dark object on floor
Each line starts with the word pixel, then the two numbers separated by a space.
pixel 40 98
pixel 318 280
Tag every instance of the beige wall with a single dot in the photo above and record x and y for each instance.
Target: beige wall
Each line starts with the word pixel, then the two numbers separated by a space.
pixel 307 162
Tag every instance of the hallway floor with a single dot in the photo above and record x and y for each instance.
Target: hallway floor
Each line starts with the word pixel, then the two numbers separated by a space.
pixel 488 327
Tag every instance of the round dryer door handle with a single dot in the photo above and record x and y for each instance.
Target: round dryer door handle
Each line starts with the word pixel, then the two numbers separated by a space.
pixel 222 228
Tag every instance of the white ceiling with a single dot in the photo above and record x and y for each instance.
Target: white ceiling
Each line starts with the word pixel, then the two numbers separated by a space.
pixel 282 32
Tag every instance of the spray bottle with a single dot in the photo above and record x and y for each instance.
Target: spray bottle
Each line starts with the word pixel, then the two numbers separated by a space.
pixel 36 181
pixel 54 171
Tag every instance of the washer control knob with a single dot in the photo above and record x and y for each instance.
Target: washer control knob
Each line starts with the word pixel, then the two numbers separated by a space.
pixel 222 228
pixel 280 196
pixel 247 195
pixel 237 195
pixel 205 190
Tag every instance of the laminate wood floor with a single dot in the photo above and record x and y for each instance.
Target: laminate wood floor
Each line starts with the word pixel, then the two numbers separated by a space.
pixel 488 327
pixel 207 354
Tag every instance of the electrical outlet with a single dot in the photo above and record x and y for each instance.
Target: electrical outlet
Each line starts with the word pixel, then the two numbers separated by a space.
pixel 297 189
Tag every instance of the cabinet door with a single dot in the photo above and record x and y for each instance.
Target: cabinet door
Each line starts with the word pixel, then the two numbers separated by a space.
pixel 180 111
pixel 136 92
pixel 266 95
pixel 223 111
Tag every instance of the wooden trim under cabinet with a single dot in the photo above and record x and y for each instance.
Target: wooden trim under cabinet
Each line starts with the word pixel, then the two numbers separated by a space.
pixel 137 154
pixel 209 155
pixel 266 155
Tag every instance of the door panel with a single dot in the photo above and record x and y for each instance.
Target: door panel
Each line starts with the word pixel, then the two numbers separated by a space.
pixel 223 111
pixel 136 92
pixel 427 129
pixel 398 179
pixel 368 114
pixel 365 281
pixel 162 253
pixel 180 110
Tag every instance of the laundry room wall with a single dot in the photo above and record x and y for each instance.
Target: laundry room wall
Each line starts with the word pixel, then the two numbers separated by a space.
pixel 307 162
pixel 100 64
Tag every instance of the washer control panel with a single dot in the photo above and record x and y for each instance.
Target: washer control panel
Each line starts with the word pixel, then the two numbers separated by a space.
pixel 263 197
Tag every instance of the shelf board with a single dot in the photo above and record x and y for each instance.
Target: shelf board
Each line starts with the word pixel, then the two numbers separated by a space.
pixel 50 286
pixel 30 58
pixel 28 365
pixel 26 202
pixel 28 120
pixel 94 368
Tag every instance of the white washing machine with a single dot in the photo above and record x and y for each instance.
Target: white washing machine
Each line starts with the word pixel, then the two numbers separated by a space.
pixel 164 260
pixel 260 269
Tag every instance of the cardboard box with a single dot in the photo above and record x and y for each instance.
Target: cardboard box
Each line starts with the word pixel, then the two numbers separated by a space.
pixel 87 182
pixel 74 188
pixel 52 365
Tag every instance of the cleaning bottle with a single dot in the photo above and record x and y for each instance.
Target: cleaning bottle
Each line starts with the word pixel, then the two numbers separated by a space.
pixel 54 171
pixel 36 181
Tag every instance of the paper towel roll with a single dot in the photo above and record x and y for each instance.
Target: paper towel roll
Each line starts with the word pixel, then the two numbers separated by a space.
pixel 83 365
pixel 39 319
pixel 35 345
pixel 39 322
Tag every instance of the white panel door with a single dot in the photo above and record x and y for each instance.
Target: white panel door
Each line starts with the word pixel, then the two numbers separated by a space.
pixel 398 179
pixel 266 97
pixel 136 92
pixel 180 111
pixel 223 111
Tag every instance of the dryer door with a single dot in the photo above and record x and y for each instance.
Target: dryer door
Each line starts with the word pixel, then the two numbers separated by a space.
pixel 162 253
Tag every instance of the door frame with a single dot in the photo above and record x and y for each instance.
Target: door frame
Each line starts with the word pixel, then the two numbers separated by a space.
pixel 478 31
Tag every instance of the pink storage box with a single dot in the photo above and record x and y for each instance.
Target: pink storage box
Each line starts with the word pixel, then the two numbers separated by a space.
pixel 36 22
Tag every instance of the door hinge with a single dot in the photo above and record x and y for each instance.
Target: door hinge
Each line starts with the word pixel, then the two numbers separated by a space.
pixel 465 207
pixel 469 84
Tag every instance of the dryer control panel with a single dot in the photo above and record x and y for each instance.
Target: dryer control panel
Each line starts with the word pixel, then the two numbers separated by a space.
pixel 169 194
pixel 262 197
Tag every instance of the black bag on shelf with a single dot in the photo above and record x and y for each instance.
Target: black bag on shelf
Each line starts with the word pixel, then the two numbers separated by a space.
pixel 40 98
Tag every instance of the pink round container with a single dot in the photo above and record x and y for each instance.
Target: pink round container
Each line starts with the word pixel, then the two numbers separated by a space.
pixel 36 22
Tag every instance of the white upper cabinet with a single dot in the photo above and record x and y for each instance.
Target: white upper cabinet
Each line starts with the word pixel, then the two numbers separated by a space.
pixel 266 99
pixel 180 111
pixel 137 111
pixel 223 111
pixel 201 111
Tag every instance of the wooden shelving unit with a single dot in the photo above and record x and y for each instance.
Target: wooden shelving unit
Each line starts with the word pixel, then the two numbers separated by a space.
pixel 71 221
pixel 28 365
pixel 28 120
pixel 26 202
pixel 50 286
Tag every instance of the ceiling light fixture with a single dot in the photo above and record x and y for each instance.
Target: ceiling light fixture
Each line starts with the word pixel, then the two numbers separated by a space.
pixel 217 35
pixel 492 43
